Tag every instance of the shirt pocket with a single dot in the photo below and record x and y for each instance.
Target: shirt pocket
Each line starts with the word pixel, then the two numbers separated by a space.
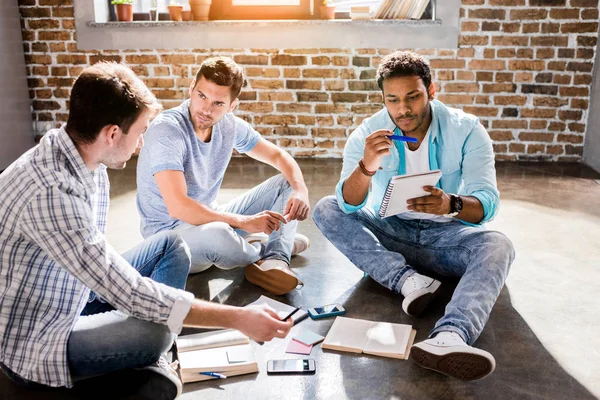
pixel 450 166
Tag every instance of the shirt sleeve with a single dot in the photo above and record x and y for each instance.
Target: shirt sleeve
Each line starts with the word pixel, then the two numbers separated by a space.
pixel 353 152
pixel 61 224
pixel 165 147
pixel 245 136
pixel 479 173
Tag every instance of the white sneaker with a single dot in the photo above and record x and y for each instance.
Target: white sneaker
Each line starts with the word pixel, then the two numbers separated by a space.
pixel 418 291
pixel 448 354
pixel 162 367
pixel 301 242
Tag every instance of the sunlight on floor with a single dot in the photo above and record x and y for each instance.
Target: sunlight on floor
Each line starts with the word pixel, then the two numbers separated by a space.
pixel 557 268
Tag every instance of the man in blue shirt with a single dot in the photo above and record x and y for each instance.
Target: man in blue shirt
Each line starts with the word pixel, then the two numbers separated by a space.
pixel 180 171
pixel 442 233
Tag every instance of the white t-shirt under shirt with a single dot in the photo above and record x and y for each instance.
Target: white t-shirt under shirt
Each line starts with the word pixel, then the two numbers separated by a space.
pixel 417 161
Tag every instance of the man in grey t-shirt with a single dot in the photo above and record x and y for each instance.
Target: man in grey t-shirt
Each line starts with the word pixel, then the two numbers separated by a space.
pixel 180 170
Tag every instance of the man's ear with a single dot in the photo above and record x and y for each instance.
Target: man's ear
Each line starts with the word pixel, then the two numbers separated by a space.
pixel 233 105
pixel 431 91
pixel 192 86
pixel 108 134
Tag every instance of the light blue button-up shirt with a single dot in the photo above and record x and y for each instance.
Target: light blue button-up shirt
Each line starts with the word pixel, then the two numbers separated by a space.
pixel 458 145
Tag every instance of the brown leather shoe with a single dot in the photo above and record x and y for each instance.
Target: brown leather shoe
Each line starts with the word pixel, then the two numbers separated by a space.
pixel 278 279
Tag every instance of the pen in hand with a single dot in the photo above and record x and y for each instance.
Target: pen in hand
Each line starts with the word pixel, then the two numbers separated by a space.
pixel 403 138
pixel 213 374
pixel 290 314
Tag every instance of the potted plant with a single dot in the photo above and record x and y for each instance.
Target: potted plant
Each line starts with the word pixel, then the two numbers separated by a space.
pixel 153 11
pixel 175 10
pixel 327 10
pixel 200 9
pixel 124 9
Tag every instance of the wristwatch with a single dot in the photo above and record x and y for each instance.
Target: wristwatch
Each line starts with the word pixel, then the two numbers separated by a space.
pixel 456 205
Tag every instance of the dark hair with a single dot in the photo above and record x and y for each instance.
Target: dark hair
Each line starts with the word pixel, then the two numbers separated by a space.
pixel 403 63
pixel 107 93
pixel 224 72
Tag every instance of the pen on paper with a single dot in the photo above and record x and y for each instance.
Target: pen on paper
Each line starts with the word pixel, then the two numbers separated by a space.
pixel 213 374
pixel 403 138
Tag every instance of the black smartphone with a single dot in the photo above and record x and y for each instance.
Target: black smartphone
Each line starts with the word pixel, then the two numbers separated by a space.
pixel 298 366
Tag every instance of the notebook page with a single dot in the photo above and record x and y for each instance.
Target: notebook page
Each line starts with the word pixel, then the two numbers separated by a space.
pixel 408 187
pixel 388 338
pixel 347 334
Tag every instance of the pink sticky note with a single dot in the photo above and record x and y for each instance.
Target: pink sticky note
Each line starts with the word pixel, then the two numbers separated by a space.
pixel 296 347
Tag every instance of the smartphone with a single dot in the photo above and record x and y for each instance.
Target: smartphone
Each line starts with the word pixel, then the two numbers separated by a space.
pixel 329 310
pixel 297 366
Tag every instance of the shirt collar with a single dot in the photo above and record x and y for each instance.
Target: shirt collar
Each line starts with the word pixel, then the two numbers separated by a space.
pixel 68 147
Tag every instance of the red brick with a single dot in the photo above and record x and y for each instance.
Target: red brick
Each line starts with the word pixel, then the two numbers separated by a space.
pixel 306 120
pixel 71 59
pixel 487 65
pixel 174 59
pixel 469 26
pixel 43 23
pixel 54 35
pixel 320 60
pixel 325 120
pixel 550 41
pixel 266 84
pixel 331 109
pixel 510 40
pixel 294 108
pixel 526 65
pixel 141 59
pixel 288 60
pixel 303 84
pixel 290 131
pixel 473 40
pixel 579 27
pixel 487 14
pixel 549 102
pixel 320 73
pixel 564 13
pixel 456 98
pixel 329 132
pixel 62 12
pixel 577 139
pixel 256 107
pixel 510 100
pixel 312 96
pixel 275 119
pixel 441 64
pixel 276 96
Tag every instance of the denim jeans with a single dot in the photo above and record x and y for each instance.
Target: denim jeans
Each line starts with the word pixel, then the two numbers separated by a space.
pixel 217 243
pixel 392 249
pixel 104 341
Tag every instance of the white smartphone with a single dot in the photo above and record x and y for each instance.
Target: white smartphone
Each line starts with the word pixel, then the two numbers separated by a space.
pixel 298 366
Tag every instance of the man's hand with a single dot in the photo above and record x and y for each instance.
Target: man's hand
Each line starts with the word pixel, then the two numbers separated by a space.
pixel 377 145
pixel 297 206
pixel 261 323
pixel 438 203
pixel 266 221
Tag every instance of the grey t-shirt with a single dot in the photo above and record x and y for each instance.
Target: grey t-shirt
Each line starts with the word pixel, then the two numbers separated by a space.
pixel 170 143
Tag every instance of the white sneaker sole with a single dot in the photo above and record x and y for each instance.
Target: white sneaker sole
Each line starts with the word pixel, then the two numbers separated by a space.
pixel 461 362
pixel 416 302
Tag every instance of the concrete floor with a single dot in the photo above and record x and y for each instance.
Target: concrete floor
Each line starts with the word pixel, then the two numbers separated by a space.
pixel 543 330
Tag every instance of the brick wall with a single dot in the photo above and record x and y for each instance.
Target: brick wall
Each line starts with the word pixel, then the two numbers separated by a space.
pixel 523 66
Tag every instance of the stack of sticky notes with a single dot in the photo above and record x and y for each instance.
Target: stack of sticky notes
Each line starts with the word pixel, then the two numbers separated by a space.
pixel 303 342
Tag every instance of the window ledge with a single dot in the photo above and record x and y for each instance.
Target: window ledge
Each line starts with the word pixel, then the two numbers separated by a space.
pixel 394 34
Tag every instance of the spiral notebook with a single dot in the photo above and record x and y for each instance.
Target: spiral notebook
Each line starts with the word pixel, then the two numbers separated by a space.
pixel 404 187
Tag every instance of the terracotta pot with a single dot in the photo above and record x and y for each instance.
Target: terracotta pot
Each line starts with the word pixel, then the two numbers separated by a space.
pixel 200 9
pixel 327 12
pixel 175 12
pixel 186 15
pixel 124 12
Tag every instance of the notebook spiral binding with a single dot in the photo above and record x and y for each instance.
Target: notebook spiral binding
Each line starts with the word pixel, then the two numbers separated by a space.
pixel 386 199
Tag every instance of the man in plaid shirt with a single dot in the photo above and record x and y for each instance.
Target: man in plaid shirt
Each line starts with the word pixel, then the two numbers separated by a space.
pixel 71 307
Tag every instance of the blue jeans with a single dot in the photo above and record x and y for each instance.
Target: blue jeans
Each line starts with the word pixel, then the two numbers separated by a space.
pixel 102 342
pixel 217 243
pixel 392 249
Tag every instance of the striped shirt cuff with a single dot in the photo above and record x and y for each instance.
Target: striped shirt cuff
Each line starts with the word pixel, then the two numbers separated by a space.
pixel 180 310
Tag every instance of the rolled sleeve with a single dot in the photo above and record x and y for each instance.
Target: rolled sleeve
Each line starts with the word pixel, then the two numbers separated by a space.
pixel 353 152
pixel 181 308
pixel 345 207
pixel 479 173
pixel 246 137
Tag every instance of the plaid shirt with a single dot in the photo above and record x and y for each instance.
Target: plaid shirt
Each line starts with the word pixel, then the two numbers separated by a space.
pixel 53 251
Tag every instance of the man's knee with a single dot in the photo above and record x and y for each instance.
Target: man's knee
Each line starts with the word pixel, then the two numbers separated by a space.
pixel 325 210
pixel 175 246
pixel 501 247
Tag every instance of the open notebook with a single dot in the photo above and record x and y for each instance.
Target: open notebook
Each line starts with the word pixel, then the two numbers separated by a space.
pixel 383 339
pixel 404 187
pixel 226 352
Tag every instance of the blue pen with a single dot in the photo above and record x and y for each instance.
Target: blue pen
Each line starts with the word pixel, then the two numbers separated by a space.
pixel 403 138
pixel 213 374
